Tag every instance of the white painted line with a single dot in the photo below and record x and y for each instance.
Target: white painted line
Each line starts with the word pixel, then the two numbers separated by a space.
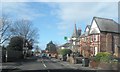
pixel 44 65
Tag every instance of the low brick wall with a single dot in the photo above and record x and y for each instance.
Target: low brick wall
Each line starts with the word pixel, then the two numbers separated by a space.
pixel 108 66
pixel 72 60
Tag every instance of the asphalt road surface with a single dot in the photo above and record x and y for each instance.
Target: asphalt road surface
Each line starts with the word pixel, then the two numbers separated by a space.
pixel 40 64
pixel 49 65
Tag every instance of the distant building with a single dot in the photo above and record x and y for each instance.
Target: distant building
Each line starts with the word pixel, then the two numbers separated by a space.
pixel 51 49
pixel 65 46
pixel 74 40
pixel 84 41
pixel 102 35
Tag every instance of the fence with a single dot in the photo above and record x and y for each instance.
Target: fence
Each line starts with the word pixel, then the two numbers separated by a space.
pixel 11 55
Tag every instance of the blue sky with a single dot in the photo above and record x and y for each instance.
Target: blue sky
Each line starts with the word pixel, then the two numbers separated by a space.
pixel 55 20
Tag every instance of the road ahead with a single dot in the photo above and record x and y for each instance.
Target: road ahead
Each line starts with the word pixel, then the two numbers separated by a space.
pixel 40 64
pixel 48 65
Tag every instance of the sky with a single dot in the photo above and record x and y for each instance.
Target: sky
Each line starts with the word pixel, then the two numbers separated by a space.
pixel 54 20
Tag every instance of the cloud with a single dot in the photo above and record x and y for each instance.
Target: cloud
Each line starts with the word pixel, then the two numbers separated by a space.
pixel 83 12
pixel 20 10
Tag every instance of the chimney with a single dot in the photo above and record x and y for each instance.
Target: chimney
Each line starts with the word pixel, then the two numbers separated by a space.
pixel 79 31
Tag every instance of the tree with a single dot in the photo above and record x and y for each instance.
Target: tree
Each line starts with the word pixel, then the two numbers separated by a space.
pixel 37 50
pixel 65 51
pixel 25 29
pixel 30 45
pixel 3 47
pixel 51 47
pixel 5 23
pixel 16 43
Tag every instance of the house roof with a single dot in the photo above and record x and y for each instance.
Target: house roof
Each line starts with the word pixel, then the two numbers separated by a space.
pixel 86 33
pixel 66 45
pixel 83 35
pixel 108 25
pixel 88 26
pixel 75 33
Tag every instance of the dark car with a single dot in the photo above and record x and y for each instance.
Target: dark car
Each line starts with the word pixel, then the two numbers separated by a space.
pixel 64 58
pixel 44 56
pixel 79 59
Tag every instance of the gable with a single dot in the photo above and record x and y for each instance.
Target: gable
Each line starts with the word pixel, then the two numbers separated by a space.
pixel 87 29
pixel 94 28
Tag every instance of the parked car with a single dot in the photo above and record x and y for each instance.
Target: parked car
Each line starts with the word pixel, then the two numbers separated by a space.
pixel 44 56
pixel 79 59
pixel 64 58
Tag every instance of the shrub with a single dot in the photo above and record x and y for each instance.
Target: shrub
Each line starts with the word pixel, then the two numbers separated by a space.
pixel 103 56
pixel 65 52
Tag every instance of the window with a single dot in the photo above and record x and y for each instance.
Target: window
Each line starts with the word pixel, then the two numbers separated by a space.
pixel 96 38
pixel 91 39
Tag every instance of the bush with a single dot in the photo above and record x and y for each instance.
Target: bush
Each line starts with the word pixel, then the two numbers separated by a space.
pixel 64 52
pixel 103 56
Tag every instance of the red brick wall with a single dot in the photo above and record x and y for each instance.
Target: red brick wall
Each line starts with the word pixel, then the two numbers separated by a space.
pixel 102 42
pixel 109 42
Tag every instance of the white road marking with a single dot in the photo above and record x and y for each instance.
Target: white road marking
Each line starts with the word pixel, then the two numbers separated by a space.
pixel 44 65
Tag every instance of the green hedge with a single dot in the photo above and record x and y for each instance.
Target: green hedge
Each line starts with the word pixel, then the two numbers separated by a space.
pixel 103 57
pixel 65 51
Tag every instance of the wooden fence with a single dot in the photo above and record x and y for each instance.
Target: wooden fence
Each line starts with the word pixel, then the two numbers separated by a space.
pixel 11 55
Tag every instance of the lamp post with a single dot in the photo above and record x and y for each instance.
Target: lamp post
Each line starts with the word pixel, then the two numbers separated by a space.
pixel 6 55
pixel 23 48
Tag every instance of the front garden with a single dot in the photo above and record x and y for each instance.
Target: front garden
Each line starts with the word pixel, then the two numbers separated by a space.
pixel 105 61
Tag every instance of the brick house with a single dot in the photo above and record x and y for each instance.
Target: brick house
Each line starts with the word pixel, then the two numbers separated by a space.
pixel 84 42
pixel 73 44
pixel 102 36
pixel 65 46
pixel 74 40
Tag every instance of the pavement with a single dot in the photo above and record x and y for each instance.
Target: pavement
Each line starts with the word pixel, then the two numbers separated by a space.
pixel 14 65
pixel 73 66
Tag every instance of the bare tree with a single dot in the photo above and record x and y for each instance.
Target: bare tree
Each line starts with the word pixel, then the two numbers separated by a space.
pixel 5 24
pixel 25 29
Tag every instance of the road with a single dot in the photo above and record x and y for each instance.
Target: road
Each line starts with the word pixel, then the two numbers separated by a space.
pixel 46 64
pixel 40 64
pixel 36 63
